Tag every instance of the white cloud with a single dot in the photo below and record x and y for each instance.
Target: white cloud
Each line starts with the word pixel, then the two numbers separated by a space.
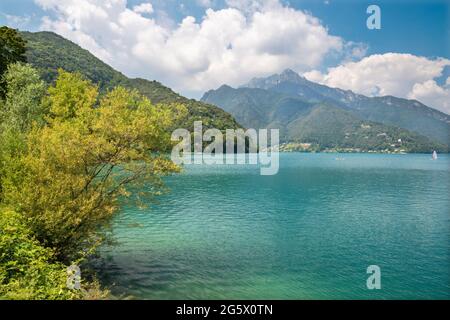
pixel 205 3
pixel 143 8
pixel 251 6
pixel 432 94
pixel 401 75
pixel 250 38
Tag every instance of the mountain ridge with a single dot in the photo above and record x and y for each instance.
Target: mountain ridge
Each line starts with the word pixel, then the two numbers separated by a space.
pixel 288 75
pixel 408 114
pixel 48 51
pixel 275 102
pixel 289 101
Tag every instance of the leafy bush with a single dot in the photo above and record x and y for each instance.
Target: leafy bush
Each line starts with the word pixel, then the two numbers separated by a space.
pixel 67 154
pixel 62 171
pixel 25 91
pixel 27 269
pixel 12 49
pixel 77 166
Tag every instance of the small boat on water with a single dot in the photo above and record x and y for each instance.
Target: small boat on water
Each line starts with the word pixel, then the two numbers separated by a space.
pixel 435 155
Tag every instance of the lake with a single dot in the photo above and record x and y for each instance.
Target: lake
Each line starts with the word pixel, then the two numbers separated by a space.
pixel 310 232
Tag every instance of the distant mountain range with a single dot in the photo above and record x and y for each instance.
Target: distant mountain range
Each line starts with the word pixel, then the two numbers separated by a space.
pixel 311 113
pixel 306 112
pixel 48 52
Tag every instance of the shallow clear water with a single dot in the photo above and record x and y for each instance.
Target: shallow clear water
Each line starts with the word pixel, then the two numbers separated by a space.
pixel 309 232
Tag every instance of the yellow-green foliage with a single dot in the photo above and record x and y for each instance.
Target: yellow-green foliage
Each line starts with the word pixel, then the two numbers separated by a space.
pixel 77 166
pixel 66 164
pixel 27 269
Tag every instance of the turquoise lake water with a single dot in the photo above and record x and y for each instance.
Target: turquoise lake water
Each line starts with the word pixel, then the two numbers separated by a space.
pixel 310 232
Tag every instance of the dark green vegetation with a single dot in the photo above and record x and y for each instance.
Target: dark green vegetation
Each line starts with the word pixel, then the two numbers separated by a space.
pixel 48 52
pixel 29 270
pixel 331 118
pixel 68 153
pixel 12 49
pixel 408 114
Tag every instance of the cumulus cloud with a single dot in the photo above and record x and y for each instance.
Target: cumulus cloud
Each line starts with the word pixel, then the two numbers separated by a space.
pixel 401 75
pixel 251 6
pixel 432 94
pixel 247 39
pixel 143 8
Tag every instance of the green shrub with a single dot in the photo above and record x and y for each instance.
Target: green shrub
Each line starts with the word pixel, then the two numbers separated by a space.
pixel 27 270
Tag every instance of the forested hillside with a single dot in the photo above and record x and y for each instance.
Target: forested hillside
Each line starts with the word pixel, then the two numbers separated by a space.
pixel 48 52
pixel 321 124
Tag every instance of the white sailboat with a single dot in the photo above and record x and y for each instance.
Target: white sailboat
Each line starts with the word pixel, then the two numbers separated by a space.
pixel 435 155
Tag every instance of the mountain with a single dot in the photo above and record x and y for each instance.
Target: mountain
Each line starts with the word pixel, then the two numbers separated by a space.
pixel 48 52
pixel 287 100
pixel 306 116
pixel 408 114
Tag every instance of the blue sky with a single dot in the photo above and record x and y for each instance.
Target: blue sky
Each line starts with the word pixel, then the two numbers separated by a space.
pixel 337 44
pixel 420 27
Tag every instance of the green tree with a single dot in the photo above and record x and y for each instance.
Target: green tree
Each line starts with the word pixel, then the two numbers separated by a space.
pixel 12 49
pixel 21 109
pixel 23 104
pixel 93 152
pixel 30 271
pixel 67 160
pixel 27 270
